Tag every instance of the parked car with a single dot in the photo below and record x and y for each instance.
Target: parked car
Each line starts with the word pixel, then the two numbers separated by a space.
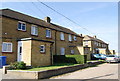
pixel 112 58
pixel 98 56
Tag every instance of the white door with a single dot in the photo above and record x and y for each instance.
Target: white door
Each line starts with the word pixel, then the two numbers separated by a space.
pixel 62 51
pixel 19 57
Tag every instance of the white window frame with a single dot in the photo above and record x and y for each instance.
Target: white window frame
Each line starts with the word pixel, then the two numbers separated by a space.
pixel 75 38
pixel 34 30
pixel 104 45
pixel 62 51
pixel 62 37
pixel 42 48
pixel 99 44
pixel 85 43
pixel 70 37
pixel 95 42
pixel 11 48
pixel 47 34
pixel 21 25
pixel 72 52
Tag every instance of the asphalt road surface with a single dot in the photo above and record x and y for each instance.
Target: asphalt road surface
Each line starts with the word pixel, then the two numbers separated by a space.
pixel 103 71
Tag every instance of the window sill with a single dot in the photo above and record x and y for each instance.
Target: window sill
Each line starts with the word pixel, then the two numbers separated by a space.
pixel 21 30
pixel 8 52
pixel 42 52
pixel 34 35
pixel 48 37
pixel 70 41
pixel 62 40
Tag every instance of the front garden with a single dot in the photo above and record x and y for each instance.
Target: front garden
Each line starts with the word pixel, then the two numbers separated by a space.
pixel 59 61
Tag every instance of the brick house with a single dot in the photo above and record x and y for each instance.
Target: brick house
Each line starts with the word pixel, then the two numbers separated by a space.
pixel 112 52
pixel 96 45
pixel 35 41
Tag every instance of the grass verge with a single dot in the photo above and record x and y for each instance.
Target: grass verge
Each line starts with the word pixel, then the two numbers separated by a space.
pixel 95 60
pixel 55 66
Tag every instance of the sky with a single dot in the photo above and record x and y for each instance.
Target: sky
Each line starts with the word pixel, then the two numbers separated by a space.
pixel 92 18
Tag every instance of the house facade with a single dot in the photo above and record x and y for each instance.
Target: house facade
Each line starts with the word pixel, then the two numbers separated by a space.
pixel 112 52
pixel 35 41
pixel 96 45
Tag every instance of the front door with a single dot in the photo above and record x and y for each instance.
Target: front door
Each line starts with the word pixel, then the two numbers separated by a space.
pixel 19 57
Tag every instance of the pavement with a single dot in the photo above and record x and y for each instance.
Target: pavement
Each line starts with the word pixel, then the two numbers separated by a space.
pixel 103 71
pixel 1 74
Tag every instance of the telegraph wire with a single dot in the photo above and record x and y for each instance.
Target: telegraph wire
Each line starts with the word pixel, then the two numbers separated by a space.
pixel 38 8
pixel 64 16
pixel 54 15
pixel 68 18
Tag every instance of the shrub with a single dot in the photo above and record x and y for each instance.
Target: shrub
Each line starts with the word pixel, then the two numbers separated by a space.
pixel 76 59
pixel 18 65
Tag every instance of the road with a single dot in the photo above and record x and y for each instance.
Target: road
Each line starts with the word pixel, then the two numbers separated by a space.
pixel 103 71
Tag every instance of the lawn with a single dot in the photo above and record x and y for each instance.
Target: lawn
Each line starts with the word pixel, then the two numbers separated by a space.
pixel 55 66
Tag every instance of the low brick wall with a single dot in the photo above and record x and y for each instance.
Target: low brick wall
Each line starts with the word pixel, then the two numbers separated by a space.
pixel 49 73
pixel 16 74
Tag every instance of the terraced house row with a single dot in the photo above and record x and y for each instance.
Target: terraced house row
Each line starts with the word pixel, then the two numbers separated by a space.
pixel 35 41
pixel 96 45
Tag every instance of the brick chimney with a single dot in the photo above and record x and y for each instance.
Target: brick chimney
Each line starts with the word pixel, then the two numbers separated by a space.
pixel 81 35
pixel 47 19
pixel 94 36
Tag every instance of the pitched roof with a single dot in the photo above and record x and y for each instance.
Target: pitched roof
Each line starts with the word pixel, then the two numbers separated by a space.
pixel 26 18
pixel 87 37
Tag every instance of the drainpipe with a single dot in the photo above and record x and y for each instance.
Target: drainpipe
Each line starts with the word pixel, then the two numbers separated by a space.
pixel 51 53
pixel 55 43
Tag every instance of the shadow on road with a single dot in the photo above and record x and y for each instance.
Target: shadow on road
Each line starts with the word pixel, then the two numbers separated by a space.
pixel 97 77
pixel 114 63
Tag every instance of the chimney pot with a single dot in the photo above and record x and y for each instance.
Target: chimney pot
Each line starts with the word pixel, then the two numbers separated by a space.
pixel 81 35
pixel 94 36
pixel 47 19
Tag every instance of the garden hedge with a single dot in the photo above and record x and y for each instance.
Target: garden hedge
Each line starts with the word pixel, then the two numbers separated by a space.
pixel 76 59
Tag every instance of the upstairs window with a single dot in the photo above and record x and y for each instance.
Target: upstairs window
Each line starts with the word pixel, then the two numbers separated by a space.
pixel 99 44
pixel 6 47
pixel 21 26
pixel 70 37
pixel 34 30
pixel 62 36
pixel 75 38
pixel 42 48
pixel 104 45
pixel 95 42
pixel 85 42
pixel 48 33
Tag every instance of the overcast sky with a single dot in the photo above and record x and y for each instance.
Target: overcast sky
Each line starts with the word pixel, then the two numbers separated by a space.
pixel 99 18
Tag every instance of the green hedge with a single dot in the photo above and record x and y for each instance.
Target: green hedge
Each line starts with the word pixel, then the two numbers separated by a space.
pixel 76 59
